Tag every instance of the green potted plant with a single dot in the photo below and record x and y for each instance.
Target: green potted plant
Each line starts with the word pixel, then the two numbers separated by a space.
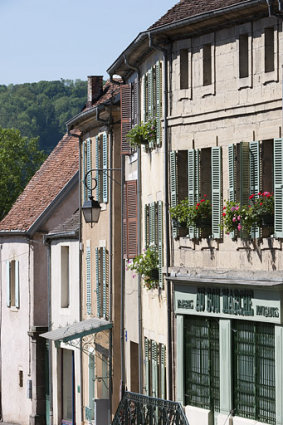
pixel 262 206
pixel 142 133
pixel 198 215
pixel 234 217
pixel 179 213
pixel 147 265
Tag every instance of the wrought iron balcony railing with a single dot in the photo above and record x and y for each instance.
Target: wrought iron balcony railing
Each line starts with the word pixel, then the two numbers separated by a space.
pixel 138 409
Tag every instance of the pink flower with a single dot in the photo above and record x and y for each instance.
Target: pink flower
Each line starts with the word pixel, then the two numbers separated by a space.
pixel 234 219
pixel 266 193
pixel 237 207
pixel 239 227
pixel 204 195
pixel 127 268
pixel 239 217
pixel 134 275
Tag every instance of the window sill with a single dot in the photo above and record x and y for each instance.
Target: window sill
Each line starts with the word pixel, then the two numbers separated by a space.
pixel 14 309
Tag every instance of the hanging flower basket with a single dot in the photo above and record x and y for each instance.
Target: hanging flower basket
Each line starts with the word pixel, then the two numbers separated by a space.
pixel 143 133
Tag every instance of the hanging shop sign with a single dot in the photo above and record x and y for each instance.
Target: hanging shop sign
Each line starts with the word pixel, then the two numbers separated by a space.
pixel 249 304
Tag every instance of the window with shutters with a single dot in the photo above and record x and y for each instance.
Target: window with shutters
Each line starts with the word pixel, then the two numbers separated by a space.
pixel 153 231
pixel 155 369
pixel 102 282
pixel 200 177
pixel 130 216
pixel 152 99
pixel 13 287
pixel 252 170
pixel 101 164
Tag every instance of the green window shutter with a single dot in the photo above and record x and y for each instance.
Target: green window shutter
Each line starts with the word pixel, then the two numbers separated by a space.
pixel 150 77
pixel 104 274
pixel 160 241
pixel 278 188
pixel 97 164
pixel 162 371
pixel 216 172
pixel 146 226
pixel 158 102
pixel 91 370
pixel 193 184
pixel 244 173
pixel 254 165
pixel 84 172
pixel 105 166
pixel 8 274
pixel 89 166
pixel 17 287
pixel 88 280
pixel 173 185
pixel 154 374
pixel 231 167
pixel 97 266
pixel 144 105
pixel 152 223
pixel 146 364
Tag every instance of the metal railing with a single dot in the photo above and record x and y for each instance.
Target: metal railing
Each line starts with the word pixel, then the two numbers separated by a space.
pixel 138 409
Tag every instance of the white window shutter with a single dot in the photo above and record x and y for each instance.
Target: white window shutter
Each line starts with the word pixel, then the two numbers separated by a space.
pixel 104 273
pixel 216 173
pixel 97 165
pixel 89 166
pixel 254 165
pixel 158 102
pixel 17 285
pixel 278 188
pixel 97 267
pixel 105 166
pixel 231 168
pixel 160 241
pixel 88 280
pixel 146 364
pixel 8 279
pixel 173 185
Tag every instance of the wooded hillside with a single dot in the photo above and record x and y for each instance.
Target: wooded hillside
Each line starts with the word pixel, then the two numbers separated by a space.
pixel 41 109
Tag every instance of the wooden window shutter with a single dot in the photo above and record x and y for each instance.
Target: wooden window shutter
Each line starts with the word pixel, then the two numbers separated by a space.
pixel 105 166
pixel 97 267
pixel 158 102
pixel 162 371
pixel 160 240
pixel 278 188
pixel 89 166
pixel 8 281
pixel 84 171
pixel 154 375
pixel 131 217
pixel 146 364
pixel 104 282
pixel 152 223
pixel 146 226
pixel 126 117
pixel 193 184
pixel 231 168
pixel 97 164
pixel 216 175
pixel 244 173
pixel 17 286
pixel 254 165
pixel 173 186
pixel 88 280
pixel 125 222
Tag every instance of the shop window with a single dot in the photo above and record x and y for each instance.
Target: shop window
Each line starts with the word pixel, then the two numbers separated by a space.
pixel 155 369
pixel 243 55
pixel 254 371
pixel 102 282
pixel 269 49
pixel 202 363
pixel 184 69
pixel 13 288
pixel 65 277
pixel 207 65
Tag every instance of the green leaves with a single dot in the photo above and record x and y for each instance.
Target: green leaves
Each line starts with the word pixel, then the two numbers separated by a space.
pixel 19 160
pixel 143 133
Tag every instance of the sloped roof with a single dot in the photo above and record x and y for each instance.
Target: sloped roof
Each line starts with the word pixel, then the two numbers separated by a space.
pixel 47 183
pixel 109 91
pixel 71 225
pixel 189 8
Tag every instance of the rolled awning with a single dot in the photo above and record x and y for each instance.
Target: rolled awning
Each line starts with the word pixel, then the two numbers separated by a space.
pixel 78 330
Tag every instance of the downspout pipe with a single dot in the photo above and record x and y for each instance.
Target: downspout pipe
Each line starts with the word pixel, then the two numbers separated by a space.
pixel 271 12
pixel 166 204
pixel 140 345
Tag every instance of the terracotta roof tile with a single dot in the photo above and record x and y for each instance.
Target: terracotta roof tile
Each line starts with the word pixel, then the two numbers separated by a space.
pixel 58 169
pixel 189 8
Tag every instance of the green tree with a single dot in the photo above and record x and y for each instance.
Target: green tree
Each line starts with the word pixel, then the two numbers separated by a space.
pixel 20 158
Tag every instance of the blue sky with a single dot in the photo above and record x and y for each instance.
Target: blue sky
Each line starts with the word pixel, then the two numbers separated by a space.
pixel 69 39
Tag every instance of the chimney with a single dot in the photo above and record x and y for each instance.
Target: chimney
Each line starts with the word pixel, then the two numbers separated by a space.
pixel 94 89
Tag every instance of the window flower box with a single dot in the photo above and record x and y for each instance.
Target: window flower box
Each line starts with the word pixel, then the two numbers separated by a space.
pixel 198 215
pixel 143 133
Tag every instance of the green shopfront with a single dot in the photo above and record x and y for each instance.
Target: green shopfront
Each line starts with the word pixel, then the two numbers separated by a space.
pixel 229 352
